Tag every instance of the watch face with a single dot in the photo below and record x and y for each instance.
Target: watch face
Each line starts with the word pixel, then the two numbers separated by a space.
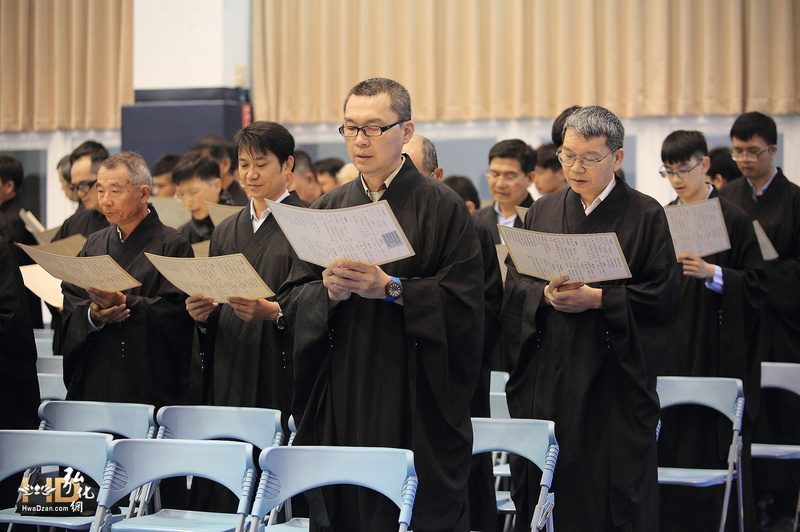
pixel 394 290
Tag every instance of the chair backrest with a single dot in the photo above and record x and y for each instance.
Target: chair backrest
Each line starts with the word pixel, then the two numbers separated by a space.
pixel 23 449
pixel 723 394
pixel 53 364
pixel 782 375
pixel 258 426
pixel 133 463
pixel 129 420
pixel 288 471
pixel 498 381
pixel 498 405
pixel 51 386
pixel 534 439
pixel 44 346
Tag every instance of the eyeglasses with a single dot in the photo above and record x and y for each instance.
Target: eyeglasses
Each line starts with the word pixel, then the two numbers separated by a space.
pixel 84 187
pixel 677 173
pixel 587 162
pixel 748 155
pixel 369 131
pixel 185 196
pixel 508 178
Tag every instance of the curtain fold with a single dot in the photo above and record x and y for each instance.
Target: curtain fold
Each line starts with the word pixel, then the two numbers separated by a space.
pixel 516 59
pixel 67 64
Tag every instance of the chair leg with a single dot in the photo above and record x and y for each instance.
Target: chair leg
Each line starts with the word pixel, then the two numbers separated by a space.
pixel 739 484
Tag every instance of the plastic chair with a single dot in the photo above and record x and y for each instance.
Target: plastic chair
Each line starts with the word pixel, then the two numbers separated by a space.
pixel 258 426
pixel 129 420
pixel 134 463
pixel 727 397
pixel 50 364
pixel 533 439
pixel 783 376
pixel 498 405
pixel 44 345
pixel 23 449
pixel 51 386
pixel 498 381
pixel 288 471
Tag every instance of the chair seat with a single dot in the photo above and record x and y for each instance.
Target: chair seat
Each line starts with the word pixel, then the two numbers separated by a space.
pixel 298 523
pixel 502 470
pixel 170 520
pixel 775 451
pixel 9 515
pixel 692 477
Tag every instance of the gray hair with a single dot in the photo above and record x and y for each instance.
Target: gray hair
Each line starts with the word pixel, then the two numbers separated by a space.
pixel 138 171
pixel 399 96
pixel 595 121
pixel 429 158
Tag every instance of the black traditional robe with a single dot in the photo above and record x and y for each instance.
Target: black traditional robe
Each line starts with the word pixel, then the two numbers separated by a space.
pixel 380 374
pixel 20 234
pixel 19 387
pixel 84 222
pixel 778 212
pixel 252 362
pixel 489 217
pixel 594 373
pixel 195 231
pixel 144 359
pixel 716 335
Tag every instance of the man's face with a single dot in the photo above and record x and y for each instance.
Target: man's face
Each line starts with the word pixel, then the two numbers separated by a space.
pixel 121 202
pixel 762 167
pixel 195 192
pixel 375 157
pixel 81 176
pixel 163 185
pixel 508 184
pixel 690 186
pixel 6 190
pixel 327 182
pixel 304 185
pixel 548 181
pixel 264 177
pixel 590 183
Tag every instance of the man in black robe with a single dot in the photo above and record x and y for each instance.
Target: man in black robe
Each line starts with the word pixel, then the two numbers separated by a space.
pixel 223 151
pixel 589 354
pixel 717 334
pixel 11 178
pixel 131 346
pixel 390 356
pixel 482 500
pixel 769 197
pixel 196 178
pixel 245 344
pixel 85 162
pixel 19 387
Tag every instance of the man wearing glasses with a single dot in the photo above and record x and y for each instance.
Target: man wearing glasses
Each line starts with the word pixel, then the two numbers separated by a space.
pixel 85 161
pixel 590 353
pixel 769 197
pixel 389 356
pixel 512 165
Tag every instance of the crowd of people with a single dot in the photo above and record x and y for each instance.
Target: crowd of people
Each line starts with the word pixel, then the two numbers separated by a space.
pixel 400 355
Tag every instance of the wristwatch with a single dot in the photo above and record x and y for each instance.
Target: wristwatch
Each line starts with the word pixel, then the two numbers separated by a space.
pixel 280 321
pixel 394 290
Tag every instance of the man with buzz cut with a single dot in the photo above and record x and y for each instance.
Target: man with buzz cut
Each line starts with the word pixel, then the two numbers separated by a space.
pixel 389 356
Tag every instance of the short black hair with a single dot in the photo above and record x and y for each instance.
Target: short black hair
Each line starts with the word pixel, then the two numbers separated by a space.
pixel 218 147
pixel 95 150
pixel 195 164
pixel 464 187
pixel 165 163
pixel 557 132
pixel 11 170
pixel 66 169
pixel 749 125
pixel 329 165
pixel 302 160
pixel 546 157
pixel 680 146
pixel 723 164
pixel 515 149
pixel 262 137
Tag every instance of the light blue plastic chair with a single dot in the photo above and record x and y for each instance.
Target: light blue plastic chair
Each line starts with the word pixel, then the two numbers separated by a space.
pixel 533 439
pixel 134 463
pixel 498 405
pixel 50 364
pixel 783 376
pixel 129 420
pixel 498 381
pixel 51 386
pixel 258 426
pixel 288 471
pixel 23 449
pixel 726 396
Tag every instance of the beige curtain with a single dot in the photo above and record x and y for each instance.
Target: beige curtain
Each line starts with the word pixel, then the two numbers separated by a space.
pixel 66 64
pixel 509 59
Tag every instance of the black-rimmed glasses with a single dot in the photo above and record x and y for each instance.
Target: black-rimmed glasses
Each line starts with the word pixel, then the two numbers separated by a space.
pixel 665 172
pixel 84 187
pixel 369 131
